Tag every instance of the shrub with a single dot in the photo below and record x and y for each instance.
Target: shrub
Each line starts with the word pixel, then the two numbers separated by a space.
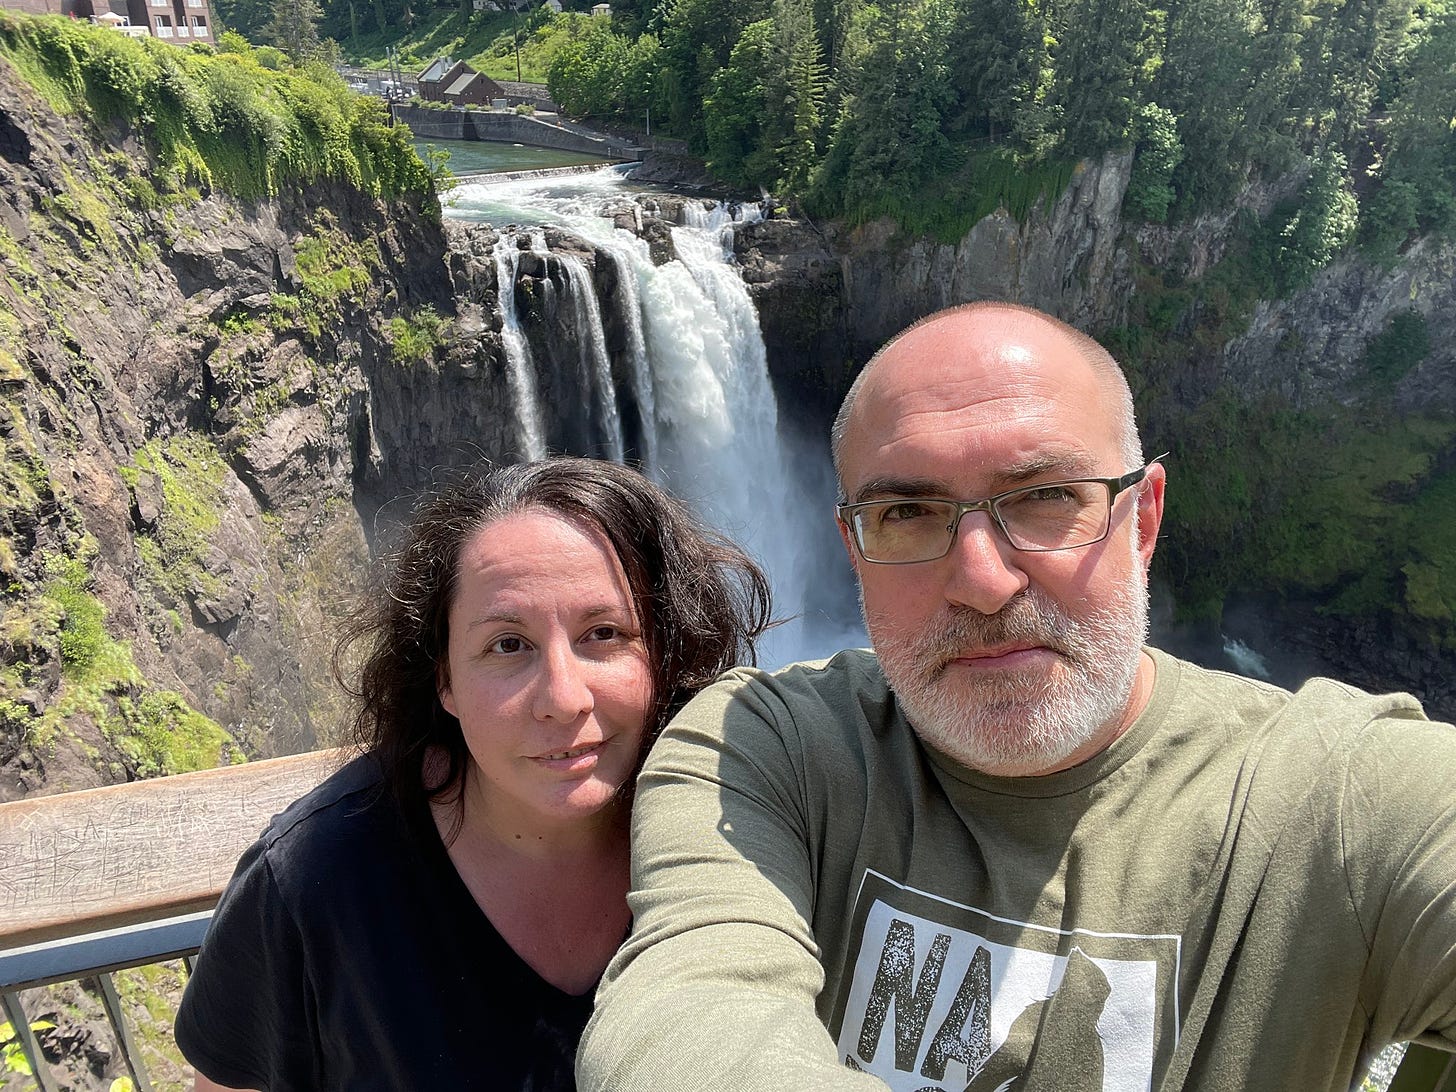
pixel 237 119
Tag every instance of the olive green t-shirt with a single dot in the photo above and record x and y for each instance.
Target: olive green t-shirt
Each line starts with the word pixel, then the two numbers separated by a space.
pixel 1248 890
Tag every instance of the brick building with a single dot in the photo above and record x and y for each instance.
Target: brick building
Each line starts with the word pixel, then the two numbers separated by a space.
pixel 179 21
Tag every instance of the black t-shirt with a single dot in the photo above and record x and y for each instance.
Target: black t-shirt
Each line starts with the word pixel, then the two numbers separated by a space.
pixel 347 953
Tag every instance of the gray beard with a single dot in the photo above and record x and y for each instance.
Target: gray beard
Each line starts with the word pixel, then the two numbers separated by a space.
pixel 1019 723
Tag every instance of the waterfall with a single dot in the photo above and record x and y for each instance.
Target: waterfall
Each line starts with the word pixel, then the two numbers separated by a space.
pixel 695 365
pixel 520 368
pixel 587 315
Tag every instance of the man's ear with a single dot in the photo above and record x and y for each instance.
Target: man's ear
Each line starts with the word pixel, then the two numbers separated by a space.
pixel 443 691
pixel 1150 511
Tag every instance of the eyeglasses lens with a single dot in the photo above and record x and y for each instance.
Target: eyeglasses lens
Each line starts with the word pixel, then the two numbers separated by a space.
pixel 1055 516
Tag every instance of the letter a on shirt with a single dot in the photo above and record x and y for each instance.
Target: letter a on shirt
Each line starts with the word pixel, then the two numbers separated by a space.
pixel 946 997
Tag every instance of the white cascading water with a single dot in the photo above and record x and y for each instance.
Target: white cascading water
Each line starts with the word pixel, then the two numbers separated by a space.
pixel 700 377
pixel 520 368
pixel 587 314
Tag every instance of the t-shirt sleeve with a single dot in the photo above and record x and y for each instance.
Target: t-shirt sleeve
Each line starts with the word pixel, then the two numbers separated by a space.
pixel 1398 832
pixel 716 987
pixel 247 1017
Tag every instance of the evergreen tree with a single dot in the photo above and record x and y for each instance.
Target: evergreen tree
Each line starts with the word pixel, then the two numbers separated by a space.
pixel 795 93
pixel 997 59
pixel 697 38
pixel 249 18
pixel 1206 81
pixel 889 142
pixel 1418 170
pixel 1346 46
pixel 1103 62
pixel 293 28
pixel 734 111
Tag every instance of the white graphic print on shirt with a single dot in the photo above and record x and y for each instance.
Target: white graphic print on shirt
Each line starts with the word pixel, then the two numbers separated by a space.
pixel 945 997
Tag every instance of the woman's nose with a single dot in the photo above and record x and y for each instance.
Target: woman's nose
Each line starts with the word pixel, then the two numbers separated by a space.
pixel 562 692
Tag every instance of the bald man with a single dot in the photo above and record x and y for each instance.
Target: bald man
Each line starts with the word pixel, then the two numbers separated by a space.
pixel 1016 848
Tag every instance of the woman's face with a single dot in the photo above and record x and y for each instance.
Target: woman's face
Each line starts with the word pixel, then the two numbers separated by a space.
pixel 547 671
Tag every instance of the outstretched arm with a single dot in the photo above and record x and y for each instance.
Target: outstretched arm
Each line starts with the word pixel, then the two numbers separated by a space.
pixel 716 987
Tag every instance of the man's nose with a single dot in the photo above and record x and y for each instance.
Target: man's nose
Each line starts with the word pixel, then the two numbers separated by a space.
pixel 985 572
pixel 562 692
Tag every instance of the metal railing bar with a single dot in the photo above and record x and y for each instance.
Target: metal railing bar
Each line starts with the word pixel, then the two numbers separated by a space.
pixel 129 1052
pixel 1425 1069
pixel 15 1013
pixel 99 953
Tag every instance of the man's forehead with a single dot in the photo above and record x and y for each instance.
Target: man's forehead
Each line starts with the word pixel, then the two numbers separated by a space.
pixel 1008 376
pixel 1008 393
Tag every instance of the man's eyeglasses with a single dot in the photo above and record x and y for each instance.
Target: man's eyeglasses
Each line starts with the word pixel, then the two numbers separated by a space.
pixel 1039 518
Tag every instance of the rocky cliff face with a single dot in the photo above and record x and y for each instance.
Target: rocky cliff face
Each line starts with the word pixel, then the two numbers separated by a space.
pixel 829 297
pixel 204 403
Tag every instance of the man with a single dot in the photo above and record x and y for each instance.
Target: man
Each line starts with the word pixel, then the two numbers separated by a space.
pixel 1015 848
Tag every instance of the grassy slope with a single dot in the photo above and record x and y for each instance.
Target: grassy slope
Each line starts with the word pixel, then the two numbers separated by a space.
pixel 486 43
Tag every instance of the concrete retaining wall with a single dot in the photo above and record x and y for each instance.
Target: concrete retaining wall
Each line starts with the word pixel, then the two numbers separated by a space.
pixel 511 128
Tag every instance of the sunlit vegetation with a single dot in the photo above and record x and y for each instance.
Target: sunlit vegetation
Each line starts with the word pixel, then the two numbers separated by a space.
pixel 215 120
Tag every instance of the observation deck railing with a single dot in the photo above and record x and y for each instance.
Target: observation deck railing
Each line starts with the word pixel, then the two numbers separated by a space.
pixel 102 880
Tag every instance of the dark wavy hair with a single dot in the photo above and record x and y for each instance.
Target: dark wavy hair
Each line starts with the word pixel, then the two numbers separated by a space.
pixel 700 600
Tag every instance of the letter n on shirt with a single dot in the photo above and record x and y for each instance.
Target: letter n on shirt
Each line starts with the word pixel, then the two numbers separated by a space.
pixel 943 996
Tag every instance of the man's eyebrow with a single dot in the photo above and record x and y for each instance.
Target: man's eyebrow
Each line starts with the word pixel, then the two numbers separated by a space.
pixel 876 488
pixel 1072 464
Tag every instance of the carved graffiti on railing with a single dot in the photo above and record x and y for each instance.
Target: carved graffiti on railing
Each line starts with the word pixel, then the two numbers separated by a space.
pixel 86 860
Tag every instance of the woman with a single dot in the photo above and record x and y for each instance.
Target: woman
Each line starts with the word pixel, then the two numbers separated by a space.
pixel 436 915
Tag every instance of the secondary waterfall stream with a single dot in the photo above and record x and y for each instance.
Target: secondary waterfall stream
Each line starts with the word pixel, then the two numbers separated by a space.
pixel 696 410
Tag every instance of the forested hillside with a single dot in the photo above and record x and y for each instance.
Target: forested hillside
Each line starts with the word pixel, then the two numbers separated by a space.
pixel 1289 157
pixel 1292 161
pixel 934 111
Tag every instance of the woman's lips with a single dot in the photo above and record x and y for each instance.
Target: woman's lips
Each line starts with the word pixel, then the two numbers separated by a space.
pixel 583 755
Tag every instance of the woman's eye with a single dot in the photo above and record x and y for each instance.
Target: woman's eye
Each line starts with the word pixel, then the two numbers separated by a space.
pixel 507 645
pixel 603 633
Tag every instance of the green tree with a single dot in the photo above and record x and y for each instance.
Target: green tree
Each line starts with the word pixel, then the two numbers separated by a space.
pixel 293 28
pixel 795 93
pixel 1324 222
pixel 1150 191
pixel 1206 81
pixel 1103 63
pixel 1346 46
pixel 1418 170
pixel 697 39
pixel 734 111
pixel 246 17
pixel 763 110
pixel 889 141
pixel 997 61
pixel 586 74
pixel 596 72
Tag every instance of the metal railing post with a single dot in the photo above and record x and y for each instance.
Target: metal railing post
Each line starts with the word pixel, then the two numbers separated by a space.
pixel 15 1013
pixel 129 1052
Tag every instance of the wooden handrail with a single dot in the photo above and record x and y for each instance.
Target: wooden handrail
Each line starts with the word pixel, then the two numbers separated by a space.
pixel 101 858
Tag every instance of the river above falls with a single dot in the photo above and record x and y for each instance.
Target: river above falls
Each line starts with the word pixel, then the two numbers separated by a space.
pixel 468 156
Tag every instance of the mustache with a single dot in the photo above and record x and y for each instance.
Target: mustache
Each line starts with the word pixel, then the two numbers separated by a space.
pixel 1027 618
